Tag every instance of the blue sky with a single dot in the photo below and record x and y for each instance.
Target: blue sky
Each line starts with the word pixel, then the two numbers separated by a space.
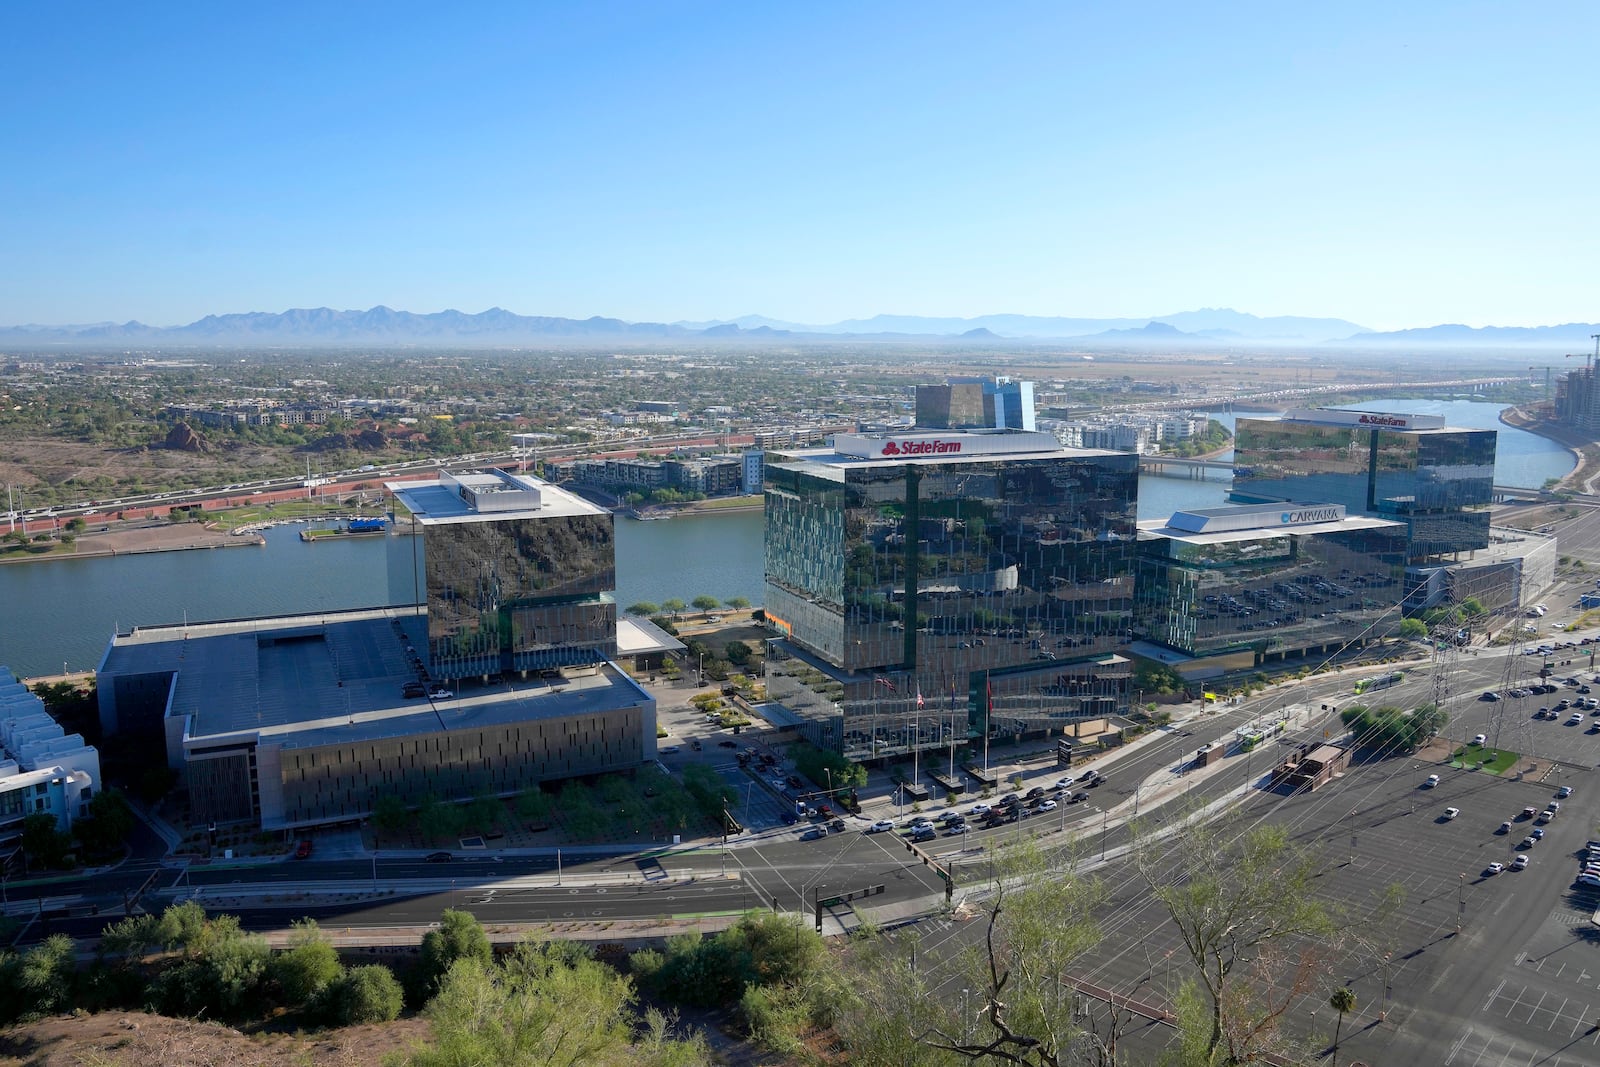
pixel 1393 164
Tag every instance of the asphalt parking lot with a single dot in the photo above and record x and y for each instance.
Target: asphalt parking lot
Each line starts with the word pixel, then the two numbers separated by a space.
pixel 1520 981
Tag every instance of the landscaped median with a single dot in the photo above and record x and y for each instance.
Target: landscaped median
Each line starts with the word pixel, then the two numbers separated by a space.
pixel 1479 758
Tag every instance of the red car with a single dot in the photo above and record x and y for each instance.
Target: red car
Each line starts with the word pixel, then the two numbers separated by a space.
pixel 303 849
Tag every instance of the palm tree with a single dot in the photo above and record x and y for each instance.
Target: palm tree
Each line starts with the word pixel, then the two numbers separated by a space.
pixel 1343 1000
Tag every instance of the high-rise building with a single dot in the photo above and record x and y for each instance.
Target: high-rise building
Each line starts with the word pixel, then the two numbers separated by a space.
pixel 952 407
pixel 510 574
pixel 1437 480
pixel 1228 589
pixel 995 403
pixel 934 589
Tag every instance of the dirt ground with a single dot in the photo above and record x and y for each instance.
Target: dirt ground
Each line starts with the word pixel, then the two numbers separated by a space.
pixel 121 540
pixel 139 1040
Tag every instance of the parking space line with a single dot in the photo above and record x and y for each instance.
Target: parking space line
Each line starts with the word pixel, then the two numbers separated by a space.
pixel 1516 1001
pixel 1564 1002
pixel 1535 1010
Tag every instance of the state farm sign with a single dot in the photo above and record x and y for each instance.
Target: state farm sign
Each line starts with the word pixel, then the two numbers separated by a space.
pixel 913 445
pixel 919 448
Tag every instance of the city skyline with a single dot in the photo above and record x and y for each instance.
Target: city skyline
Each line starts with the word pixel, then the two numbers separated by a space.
pixel 1398 168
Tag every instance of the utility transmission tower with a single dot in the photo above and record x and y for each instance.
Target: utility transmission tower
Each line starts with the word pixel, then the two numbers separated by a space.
pixel 1510 678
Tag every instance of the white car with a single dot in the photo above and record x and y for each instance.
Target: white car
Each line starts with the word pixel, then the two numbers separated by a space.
pixel 1479 739
pixel 979 809
pixel 1048 805
pixel 1494 868
pixel 1450 813
pixel 880 826
pixel 1432 780
pixel 1062 783
pixel 1589 879
pixel 1519 863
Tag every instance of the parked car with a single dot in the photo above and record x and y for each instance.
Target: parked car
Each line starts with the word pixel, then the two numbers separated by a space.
pixel 1494 868
pixel 790 818
pixel 1505 828
pixel 1450 813
pixel 1536 833
pixel 412 690
pixel 1564 792
pixel 1431 781
pixel 1527 843
pixel 1528 813
pixel 1519 863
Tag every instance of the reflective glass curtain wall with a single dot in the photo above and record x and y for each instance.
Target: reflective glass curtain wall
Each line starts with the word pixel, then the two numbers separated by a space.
pixel 942 590
pixel 509 594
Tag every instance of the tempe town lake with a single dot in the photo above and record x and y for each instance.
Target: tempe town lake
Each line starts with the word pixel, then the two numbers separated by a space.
pixel 60 613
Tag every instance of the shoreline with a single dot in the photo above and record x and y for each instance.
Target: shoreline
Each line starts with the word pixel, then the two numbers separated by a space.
pixel 1585 453
pixel 142 544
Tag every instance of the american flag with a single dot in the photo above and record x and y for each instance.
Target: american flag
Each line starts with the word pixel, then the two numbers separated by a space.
pixel 886 683
pixel 919 696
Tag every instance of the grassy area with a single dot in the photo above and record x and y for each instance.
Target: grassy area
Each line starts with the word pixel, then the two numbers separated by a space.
pixel 1495 760
pixel 753 501
pixel 281 511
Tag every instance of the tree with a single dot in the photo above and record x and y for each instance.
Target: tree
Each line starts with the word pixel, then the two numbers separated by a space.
pixel 643 608
pixel 389 813
pixel 550 1004
pixel 738 653
pixel 365 994
pixel 673 606
pixel 705 603
pixel 109 822
pixel 1342 1001
pixel 309 966
pixel 43 842
pixel 737 603
pixel 459 936
pixel 438 819
pixel 1038 919
pixel 1413 629
pixel 1238 907
pixel 45 977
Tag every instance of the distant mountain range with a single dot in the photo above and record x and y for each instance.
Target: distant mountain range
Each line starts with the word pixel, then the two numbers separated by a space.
pixel 307 327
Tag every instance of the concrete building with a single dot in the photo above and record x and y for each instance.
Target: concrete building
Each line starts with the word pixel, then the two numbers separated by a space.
pixel 1229 589
pixel 935 589
pixel 303 720
pixel 751 471
pixel 42 768
pixel 493 672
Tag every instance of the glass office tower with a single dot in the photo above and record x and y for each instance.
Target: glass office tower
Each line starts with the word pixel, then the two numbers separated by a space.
pixel 1268 581
pixel 512 574
pixel 931 586
pixel 1409 468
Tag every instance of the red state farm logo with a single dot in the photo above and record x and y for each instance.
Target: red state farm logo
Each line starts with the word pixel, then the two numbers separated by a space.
pixel 891 449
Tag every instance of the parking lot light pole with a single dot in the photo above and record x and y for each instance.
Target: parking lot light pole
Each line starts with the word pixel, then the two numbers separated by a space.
pixel 1461 901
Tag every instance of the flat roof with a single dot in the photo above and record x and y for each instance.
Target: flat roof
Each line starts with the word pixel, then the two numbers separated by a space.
pixel 638 637
pixel 1409 422
pixel 933 447
pixel 1150 528
pixel 311 680
pixel 436 502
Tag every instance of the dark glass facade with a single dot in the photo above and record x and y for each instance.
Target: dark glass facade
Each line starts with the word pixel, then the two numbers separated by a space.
pixel 916 597
pixel 508 594
pixel 1277 593
pixel 1438 482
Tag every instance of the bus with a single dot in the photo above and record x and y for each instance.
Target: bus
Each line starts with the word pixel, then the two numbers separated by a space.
pixel 1382 681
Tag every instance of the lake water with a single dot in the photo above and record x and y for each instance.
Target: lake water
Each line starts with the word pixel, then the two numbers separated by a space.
pixel 61 613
